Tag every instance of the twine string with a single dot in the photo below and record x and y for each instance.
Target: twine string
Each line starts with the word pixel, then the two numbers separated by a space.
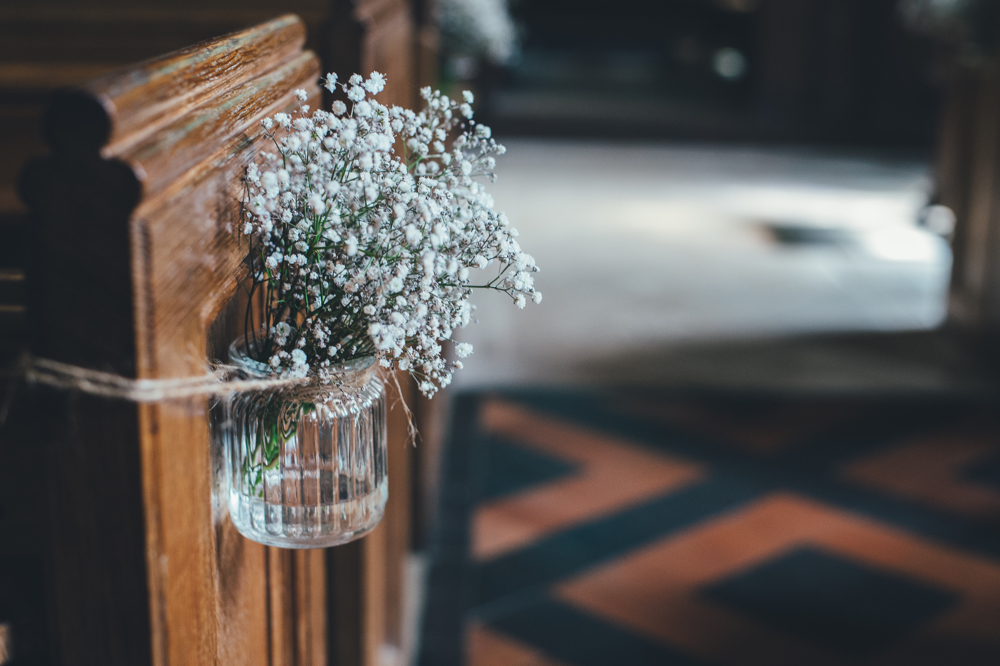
pixel 220 380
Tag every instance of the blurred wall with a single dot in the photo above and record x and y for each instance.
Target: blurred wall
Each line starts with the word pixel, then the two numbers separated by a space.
pixel 835 71
pixel 845 69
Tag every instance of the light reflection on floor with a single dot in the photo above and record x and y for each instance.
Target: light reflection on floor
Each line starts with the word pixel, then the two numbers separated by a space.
pixel 658 246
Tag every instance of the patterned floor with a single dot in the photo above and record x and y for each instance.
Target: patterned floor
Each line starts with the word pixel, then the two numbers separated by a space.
pixel 586 529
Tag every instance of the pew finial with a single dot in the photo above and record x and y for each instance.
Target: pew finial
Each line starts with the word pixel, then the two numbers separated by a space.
pixel 76 121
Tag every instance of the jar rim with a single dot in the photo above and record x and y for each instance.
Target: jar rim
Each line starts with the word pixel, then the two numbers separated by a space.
pixel 239 358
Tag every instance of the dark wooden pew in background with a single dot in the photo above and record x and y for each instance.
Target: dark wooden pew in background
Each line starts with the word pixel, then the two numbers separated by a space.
pixel 124 553
pixel 968 181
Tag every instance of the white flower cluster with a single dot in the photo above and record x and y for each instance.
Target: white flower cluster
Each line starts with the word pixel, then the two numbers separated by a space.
pixel 362 251
pixel 968 24
pixel 478 27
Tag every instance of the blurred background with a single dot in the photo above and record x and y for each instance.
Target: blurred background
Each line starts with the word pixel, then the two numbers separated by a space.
pixel 759 397
pixel 754 419
pixel 704 171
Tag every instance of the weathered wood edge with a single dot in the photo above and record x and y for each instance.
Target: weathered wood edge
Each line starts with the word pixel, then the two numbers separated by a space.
pixel 142 97
pixel 177 432
pixel 175 148
pixel 151 277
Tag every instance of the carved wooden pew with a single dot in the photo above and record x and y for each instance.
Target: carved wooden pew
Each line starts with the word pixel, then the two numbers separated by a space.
pixel 44 47
pixel 135 268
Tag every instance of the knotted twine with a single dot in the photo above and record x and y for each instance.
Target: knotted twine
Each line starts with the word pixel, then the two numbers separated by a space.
pixel 219 380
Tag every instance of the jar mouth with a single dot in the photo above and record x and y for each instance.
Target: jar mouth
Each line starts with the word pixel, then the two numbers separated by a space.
pixel 238 356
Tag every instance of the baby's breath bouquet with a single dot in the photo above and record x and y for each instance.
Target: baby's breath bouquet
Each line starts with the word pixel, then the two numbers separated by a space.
pixel 366 222
pixel 369 228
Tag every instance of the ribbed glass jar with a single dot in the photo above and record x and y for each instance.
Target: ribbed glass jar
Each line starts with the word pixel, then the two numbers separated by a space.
pixel 306 466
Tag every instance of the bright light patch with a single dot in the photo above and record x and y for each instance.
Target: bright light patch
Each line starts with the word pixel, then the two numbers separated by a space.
pixel 904 244
pixel 730 64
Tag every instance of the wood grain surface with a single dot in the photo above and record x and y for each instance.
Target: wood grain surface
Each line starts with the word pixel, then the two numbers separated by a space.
pixel 135 267
pixel 134 257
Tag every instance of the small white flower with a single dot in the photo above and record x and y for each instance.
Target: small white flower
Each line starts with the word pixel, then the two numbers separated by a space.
pixel 356 93
pixel 428 261
pixel 380 335
pixel 468 97
pixel 331 82
pixel 375 83
pixel 301 95
pixel 317 204
pixel 537 297
pixel 339 107
pixel 413 235
pixel 298 357
pixel 463 349
pixel 270 184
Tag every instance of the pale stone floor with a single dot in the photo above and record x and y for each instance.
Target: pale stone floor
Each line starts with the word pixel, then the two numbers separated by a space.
pixel 662 265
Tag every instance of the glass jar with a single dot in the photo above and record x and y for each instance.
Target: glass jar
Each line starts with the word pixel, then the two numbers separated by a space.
pixel 306 465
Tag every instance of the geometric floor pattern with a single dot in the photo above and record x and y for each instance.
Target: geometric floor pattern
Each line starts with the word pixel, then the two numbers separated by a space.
pixel 603 528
